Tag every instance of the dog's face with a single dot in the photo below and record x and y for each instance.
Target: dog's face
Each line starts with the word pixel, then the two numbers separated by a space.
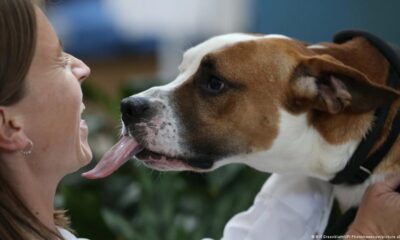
pixel 249 99
pixel 217 107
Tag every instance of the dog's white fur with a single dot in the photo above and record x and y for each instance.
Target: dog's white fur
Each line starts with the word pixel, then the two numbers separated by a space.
pixel 298 148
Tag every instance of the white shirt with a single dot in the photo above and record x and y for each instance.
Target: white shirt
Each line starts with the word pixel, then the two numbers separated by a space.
pixel 287 207
pixel 68 235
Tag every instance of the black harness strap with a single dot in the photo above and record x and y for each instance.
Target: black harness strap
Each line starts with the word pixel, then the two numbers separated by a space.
pixel 340 228
pixel 360 166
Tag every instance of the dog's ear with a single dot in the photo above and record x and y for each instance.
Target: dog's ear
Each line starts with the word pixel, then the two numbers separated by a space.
pixel 325 84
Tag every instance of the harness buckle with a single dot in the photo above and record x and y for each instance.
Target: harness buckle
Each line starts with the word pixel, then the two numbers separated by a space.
pixel 366 170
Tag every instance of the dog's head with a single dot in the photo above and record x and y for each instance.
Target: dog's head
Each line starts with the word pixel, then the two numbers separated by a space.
pixel 257 100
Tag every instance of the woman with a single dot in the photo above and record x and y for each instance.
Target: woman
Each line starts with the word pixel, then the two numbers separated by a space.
pixel 42 136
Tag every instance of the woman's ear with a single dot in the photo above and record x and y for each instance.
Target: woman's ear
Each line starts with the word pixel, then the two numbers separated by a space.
pixel 325 84
pixel 12 137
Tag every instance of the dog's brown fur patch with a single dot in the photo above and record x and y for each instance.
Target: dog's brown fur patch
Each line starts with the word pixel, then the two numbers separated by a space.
pixel 251 112
pixel 359 55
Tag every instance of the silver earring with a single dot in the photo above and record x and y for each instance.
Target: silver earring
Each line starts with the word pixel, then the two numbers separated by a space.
pixel 28 149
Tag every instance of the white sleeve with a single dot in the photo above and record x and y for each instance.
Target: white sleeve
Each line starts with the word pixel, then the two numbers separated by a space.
pixel 287 207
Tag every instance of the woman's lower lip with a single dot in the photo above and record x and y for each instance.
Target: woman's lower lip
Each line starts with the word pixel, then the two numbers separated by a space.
pixel 83 129
pixel 83 123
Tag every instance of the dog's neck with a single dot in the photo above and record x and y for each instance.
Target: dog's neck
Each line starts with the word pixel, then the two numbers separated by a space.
pixel 364 57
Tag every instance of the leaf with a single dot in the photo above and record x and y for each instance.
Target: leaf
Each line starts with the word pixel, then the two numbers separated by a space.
pixel 119 224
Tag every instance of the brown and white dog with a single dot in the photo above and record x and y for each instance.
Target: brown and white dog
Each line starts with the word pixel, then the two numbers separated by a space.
pixel 270 102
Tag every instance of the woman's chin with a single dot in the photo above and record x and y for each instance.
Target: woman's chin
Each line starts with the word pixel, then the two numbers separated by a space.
pixel 85 152
pixel 83 158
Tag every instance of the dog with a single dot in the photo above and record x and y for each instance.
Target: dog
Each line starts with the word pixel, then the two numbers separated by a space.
pixel 270 102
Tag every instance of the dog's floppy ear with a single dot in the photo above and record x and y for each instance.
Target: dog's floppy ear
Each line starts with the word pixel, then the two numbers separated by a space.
pixel 325 84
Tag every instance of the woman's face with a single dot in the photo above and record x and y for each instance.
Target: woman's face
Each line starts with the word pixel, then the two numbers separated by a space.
pixel 52 106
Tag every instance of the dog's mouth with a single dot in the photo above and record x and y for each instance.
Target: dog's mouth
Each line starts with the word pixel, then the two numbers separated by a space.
pixel 147 154
pixel 162 162
pixel 128 147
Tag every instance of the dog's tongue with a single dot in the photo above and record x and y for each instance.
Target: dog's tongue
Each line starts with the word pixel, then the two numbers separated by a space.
pixel 121 152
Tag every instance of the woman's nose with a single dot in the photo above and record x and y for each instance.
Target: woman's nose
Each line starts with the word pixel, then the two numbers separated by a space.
pixel 80 70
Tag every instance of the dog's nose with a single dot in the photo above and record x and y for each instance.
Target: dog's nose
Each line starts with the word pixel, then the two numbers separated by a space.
pixel 134 108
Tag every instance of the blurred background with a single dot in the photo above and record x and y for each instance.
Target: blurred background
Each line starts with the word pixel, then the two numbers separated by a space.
pixel 132 45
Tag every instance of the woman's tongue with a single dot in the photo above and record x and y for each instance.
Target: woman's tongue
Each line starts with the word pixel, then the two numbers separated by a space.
pixel 121 152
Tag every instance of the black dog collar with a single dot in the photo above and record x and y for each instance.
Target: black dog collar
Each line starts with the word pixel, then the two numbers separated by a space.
pixel 360 166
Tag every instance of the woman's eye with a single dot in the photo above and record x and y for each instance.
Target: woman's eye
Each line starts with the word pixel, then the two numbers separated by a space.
pixel 215 85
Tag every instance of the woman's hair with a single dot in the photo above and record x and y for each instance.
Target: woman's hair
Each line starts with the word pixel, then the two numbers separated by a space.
pixel 18 33
pixel 17 46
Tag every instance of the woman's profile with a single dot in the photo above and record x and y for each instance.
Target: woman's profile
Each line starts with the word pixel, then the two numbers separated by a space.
pixel 42 136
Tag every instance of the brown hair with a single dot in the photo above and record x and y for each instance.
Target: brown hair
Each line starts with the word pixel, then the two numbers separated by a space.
pixel 18 33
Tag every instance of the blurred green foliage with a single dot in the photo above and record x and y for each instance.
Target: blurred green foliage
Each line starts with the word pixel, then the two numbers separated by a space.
pixel 140 203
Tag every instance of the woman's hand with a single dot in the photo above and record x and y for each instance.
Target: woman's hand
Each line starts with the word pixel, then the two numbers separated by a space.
pixel 379 212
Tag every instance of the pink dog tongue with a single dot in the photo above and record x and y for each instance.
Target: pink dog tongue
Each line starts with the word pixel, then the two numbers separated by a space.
pixel 121 152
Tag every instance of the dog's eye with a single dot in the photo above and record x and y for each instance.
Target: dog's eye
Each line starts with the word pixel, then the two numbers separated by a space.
pixel 215 85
